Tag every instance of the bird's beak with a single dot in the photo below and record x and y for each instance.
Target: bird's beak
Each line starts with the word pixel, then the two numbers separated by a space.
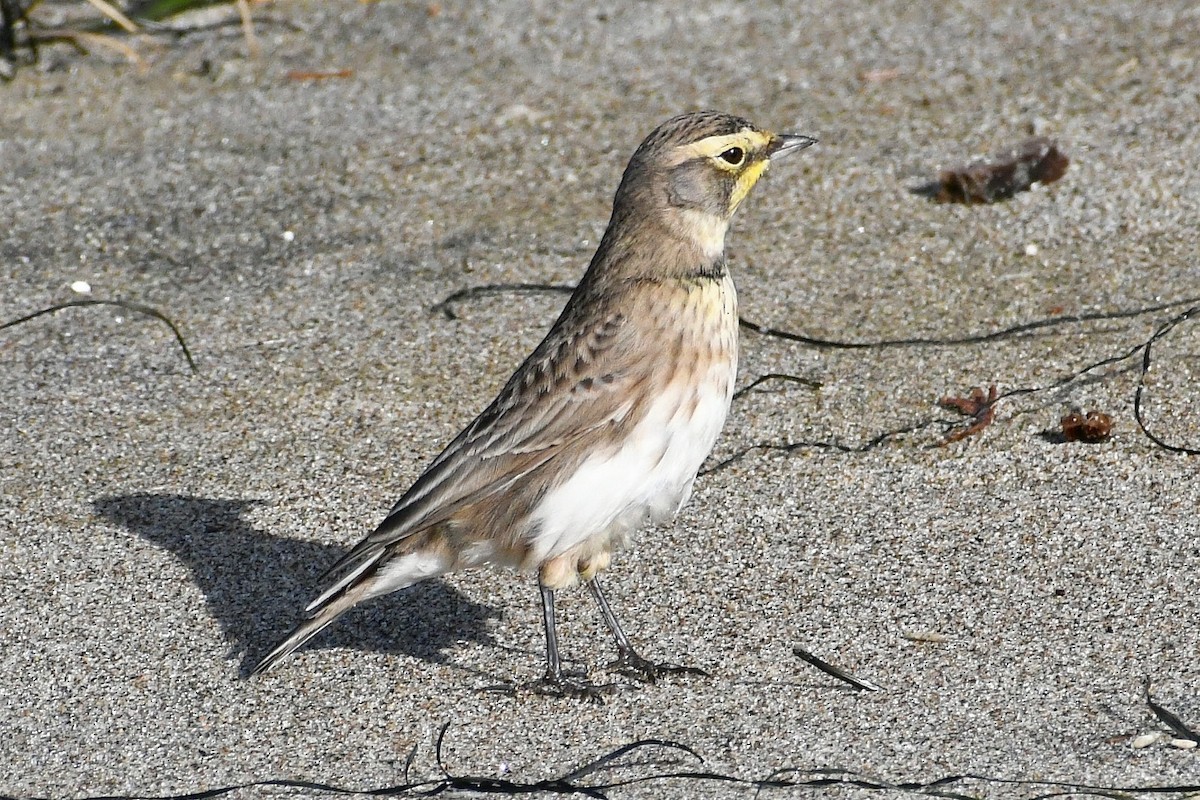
pixel 786 143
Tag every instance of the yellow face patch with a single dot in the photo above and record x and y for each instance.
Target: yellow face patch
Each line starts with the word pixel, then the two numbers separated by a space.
pixel 746 181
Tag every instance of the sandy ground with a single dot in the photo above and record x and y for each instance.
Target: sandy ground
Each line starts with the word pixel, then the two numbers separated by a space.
pixel 159 529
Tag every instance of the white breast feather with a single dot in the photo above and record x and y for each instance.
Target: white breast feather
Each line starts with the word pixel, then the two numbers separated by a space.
pixel 650 477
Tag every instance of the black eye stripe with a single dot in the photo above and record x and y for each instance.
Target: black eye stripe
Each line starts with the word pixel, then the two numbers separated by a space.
pixel 734 156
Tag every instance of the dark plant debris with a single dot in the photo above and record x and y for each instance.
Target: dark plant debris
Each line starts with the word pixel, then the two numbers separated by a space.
pixel 837 672
pixel 807 383
pixel 977 405
pixel 1138 412
pixel 651 770
pixel 983 404
pixel 791 447
pixel 447 307
pixel 1011 332
pixel 447 304
pixel 1169 719
pixel 15 45
pixel 109 26
pixel 135 307
pixel 1000 176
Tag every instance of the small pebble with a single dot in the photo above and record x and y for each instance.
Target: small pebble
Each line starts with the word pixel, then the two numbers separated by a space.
pixel 1031 249
pixel 1145 740
pixel 81 287
pixel 289 236
pixel 1183 744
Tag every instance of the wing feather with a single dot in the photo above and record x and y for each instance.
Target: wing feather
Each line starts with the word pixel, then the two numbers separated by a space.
pixel 576 382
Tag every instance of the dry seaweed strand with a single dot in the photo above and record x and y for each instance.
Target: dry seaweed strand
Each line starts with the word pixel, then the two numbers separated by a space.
pixel 1162 331
pixel 960 786
pixel 986 409
pixel 136 307
pixel 807 383
pixel 972 338
pixel 791 447
pixel 1168 718
pixel 447 308
pixel 447 303
pixel 835 671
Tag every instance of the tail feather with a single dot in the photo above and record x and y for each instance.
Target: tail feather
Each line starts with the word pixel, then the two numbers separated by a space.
pixel 378 576
pixel 352 577
pixel 309 628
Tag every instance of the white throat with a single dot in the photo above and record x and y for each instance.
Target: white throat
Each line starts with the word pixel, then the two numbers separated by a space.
pixel 706 230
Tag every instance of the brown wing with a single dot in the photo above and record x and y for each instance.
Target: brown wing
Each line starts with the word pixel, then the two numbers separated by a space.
pixel 576 381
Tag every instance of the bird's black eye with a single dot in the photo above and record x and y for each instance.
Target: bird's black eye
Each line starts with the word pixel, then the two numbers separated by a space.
pixel 734 156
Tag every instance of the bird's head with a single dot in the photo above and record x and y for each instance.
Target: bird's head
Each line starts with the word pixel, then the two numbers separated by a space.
pixel 694 170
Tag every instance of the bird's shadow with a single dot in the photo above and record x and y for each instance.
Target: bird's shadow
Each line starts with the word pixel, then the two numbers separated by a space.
pixel 256 583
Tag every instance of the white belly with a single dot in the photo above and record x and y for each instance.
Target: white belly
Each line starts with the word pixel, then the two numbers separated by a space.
pixel 647 479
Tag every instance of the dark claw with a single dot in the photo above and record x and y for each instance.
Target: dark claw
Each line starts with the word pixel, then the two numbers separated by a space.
pixel 630 664
pixel 578 689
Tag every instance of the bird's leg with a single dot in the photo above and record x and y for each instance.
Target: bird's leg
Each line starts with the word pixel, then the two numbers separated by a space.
pixel 553 658
pixel 554 682
pixel 628 661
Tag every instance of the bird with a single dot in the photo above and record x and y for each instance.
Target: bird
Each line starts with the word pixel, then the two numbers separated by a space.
pixel 604 426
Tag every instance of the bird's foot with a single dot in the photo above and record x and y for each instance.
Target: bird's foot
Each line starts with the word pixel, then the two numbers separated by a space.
pixel 560 685
pixel 632 665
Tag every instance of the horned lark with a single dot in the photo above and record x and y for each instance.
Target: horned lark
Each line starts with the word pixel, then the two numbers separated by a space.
pixel 605 424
